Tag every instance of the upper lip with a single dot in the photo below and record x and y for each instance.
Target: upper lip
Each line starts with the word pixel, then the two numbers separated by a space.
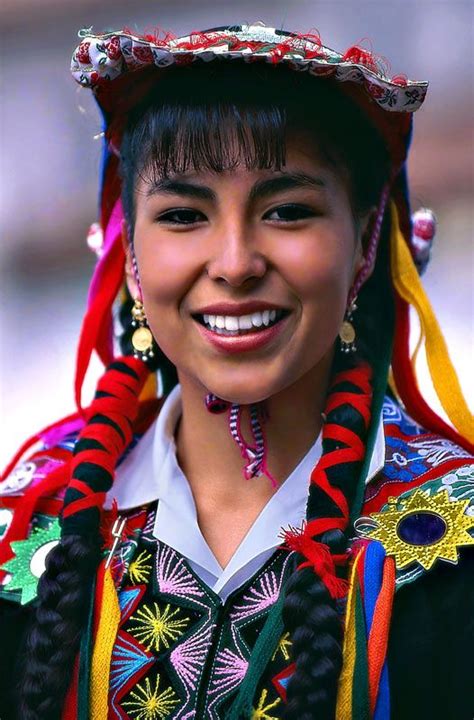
pixel 246 308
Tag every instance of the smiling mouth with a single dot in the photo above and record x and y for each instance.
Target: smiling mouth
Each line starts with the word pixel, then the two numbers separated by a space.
pixel 252 323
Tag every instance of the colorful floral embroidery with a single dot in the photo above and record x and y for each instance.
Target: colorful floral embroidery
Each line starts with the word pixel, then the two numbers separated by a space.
pixel 173 576
pixel 169 625
pixel 157 628
pixel 260 597
pixel 436 451
pixel 181 654
pixel 393 414
pixel 261 712
pixel 101 58
pixel 139 569
pixel 129 658
pixel 188 658
pixel 403 464
pixel 149 703
pixel 284 645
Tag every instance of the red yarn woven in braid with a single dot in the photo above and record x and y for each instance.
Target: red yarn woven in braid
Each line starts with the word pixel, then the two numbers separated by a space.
pixel 304 541
pixel 113 412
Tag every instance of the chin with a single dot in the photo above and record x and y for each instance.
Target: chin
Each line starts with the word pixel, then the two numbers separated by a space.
pixel 246 390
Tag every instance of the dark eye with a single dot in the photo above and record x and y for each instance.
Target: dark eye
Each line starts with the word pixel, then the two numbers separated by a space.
pixel 290 213
pixel 181 216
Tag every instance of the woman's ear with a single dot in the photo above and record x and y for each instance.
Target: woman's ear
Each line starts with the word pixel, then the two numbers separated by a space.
pixel 130 277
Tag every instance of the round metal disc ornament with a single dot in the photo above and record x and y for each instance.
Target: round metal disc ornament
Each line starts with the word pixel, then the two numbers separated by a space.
pixel 142 339
pixel 347 333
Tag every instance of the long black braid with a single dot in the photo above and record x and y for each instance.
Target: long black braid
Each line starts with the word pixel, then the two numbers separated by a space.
pixel 309 612
pixel 65 589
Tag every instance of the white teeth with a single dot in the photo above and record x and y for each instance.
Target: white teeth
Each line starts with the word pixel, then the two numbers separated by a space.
pixel 231 323
pixel 245 322
pixel 257 319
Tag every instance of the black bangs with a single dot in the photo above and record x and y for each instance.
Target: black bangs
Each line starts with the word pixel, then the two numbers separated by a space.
pixel 215 118
pixel 214 138
pixel 198 122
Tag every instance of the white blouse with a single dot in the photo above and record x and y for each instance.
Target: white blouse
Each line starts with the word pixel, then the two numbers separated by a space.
pixel 151 472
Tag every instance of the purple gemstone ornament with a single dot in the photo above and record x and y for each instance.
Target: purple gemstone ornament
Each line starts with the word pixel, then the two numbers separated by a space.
pixel 421 528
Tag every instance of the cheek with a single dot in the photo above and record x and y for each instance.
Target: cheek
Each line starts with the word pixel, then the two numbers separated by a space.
pixel 321 272
pixel 166 270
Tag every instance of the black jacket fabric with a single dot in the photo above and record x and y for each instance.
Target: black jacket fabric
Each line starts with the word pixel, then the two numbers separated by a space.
pixel 430 653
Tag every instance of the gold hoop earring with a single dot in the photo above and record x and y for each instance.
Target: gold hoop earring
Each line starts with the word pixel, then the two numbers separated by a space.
pixel 142 339
pixel 347 333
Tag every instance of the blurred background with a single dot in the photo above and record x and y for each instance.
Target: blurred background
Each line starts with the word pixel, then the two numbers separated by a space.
pixel 50 160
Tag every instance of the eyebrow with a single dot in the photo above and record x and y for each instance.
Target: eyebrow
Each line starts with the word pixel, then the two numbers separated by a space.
pixel 261 189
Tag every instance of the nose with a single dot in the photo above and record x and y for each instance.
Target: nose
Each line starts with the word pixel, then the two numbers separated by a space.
pixel 236 256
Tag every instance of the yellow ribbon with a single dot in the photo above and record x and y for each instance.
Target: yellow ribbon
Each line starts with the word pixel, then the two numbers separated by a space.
pixel 344 691
pixel 109 619
pixel 443 375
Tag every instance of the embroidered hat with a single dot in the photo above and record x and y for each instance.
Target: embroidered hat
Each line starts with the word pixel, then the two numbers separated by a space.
pixel 107 56
pixel 108 64
pixel 120 67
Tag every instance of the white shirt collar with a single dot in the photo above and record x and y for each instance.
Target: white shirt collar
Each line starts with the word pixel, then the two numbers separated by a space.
pixel 151 472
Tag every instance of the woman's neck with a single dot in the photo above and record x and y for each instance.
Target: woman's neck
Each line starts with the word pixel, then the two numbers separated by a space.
pixel 210 457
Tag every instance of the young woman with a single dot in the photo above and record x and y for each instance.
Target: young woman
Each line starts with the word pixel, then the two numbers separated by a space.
pixel 269 534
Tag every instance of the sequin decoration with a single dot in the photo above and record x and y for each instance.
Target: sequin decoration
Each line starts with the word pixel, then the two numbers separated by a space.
pixel 423 528
pixel 29 562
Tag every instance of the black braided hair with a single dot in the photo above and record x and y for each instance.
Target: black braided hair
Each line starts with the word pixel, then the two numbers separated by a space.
pixel 309 612
pixel 65 589
pixel 61 609
pixel 315 629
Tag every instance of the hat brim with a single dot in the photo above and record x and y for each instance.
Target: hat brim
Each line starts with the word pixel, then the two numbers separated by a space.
pixel 113 65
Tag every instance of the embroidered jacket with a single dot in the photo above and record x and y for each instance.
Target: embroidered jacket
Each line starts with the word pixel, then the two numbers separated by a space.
pixel 180 653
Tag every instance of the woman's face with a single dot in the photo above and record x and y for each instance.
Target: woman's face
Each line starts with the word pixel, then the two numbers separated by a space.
pixel 245 274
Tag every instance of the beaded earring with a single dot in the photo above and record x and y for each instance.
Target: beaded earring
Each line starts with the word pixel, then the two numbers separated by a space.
pixel 142 338
pixel 347 333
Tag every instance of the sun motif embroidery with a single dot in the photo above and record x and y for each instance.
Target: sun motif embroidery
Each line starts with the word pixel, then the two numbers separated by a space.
pixel 261 712
pixel 423 528
pixel 157 628
pixel 139 569
pixel 283 646
pixel 150 704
